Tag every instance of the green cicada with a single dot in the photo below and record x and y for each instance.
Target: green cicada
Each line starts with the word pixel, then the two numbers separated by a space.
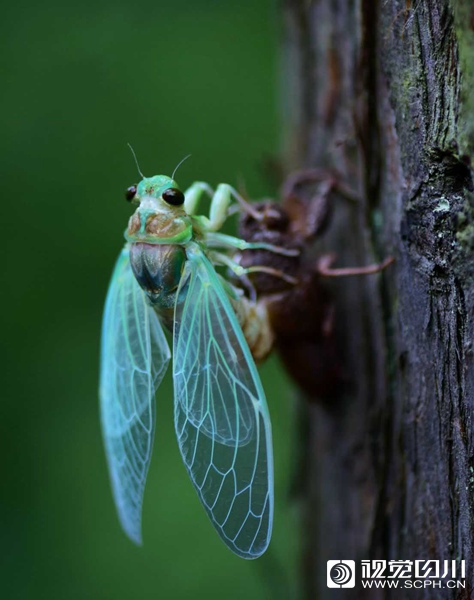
pixel 165 276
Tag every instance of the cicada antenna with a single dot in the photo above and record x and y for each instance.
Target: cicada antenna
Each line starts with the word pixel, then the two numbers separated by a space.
pixel 179 164
pixel 136 161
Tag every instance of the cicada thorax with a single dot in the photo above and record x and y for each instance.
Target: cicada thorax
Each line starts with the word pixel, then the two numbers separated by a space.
pixel 158 269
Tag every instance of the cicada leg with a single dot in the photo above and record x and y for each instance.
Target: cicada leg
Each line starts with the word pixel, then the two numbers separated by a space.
pixel 221 199
pixel 239 271
pixel 323 267
pixel 222 240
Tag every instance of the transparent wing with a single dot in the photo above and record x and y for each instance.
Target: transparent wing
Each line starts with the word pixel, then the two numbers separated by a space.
pixel 221 415
pixel 134 357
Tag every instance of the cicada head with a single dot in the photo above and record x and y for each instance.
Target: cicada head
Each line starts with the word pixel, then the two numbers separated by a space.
pixel 160 217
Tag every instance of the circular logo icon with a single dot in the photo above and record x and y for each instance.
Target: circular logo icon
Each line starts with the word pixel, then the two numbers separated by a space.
pixel 341 573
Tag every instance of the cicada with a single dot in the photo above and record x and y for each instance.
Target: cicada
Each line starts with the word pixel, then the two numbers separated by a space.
pixel 165 277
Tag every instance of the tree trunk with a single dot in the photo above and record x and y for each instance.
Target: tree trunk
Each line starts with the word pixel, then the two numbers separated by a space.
pixel 383 91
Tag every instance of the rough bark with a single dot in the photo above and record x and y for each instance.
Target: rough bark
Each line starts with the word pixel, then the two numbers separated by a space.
pixel 384 92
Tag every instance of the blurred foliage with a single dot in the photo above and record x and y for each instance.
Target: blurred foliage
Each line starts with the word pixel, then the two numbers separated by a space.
pixel 79 81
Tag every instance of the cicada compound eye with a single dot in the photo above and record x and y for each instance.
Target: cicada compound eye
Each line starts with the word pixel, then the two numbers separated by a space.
pixel 131 193
pixel 173 196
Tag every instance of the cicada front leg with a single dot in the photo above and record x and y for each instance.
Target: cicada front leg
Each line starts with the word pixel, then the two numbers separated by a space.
pixel 221 202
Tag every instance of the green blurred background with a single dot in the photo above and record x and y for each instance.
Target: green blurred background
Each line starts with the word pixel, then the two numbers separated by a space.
pixel 79 82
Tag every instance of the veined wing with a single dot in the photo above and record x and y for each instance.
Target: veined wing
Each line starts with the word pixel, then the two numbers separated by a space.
pixel 221 415
pixel 134 357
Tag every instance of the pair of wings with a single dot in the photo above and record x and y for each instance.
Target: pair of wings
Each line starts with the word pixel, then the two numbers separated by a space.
pixel 221 416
